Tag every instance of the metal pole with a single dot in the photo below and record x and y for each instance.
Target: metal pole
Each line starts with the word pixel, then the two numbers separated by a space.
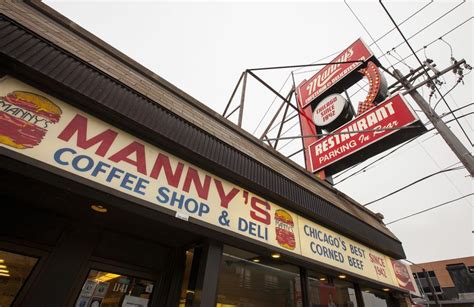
pixel 233 93
pixel 242 100
pixel 431 288
pixel 453 142
pixel 281 124
pixel 276 115
pixel 436 75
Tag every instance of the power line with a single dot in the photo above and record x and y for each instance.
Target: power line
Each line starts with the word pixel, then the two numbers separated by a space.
pixel 366 30
pixel 405 20
pixel 424 69
pixel 404 144
pixel 413 183
pixel 268 109
pixel 424 28
pixel 434 41
pixel 377 40
pixel 429 209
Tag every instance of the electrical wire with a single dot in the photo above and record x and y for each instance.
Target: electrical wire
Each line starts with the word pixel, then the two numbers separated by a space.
pixel 424 28
pixel 402 145
pixel 366 30
pixel 429 209
pixel 413 183
pixel 439 100
pixel 424 68
pixel 273 102
pixel 377 40
pixel 434 41
pixel 405 20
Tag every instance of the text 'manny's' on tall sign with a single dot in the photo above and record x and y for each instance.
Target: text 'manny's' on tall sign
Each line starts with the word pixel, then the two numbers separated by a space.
pixel 353 135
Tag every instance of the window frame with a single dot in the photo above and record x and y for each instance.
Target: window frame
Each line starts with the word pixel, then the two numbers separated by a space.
pixel 27 251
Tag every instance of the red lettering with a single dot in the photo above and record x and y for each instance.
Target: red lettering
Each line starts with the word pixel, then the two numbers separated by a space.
pixel 225 198
pixel 163 162
pixel 124 153
pixel 201 188
pixel 261 207
pixel 79 124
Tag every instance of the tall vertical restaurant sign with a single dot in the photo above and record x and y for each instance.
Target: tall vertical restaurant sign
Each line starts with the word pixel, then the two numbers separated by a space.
pixel 41 127
pixel 380 122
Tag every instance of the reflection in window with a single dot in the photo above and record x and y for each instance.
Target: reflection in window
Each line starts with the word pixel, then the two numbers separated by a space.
pixel 345 294
pixel 105 289
pixel 376 298
pixel 320 292
pixel 247 280
pixel 14 271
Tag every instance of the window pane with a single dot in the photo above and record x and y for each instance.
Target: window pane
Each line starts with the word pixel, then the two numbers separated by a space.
pixel 248 280
pixel 105 289
pixel 14 271
pixel 345 294
pixel 320 293
pixel 376 298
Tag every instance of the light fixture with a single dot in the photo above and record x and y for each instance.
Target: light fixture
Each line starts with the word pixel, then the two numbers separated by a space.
pixel 386 289
pixel 342 276
pixel 256 260
pixel 2 266
pixel 99 208
pixel 107 277
pixel 276 255
pixel 322 278
pixel 5 274
pixel 2 261
pixel 4 271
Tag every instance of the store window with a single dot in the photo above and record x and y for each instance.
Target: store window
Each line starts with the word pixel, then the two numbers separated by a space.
pixel 376 298
pixel 320 292
pixel 344 293
pixel 249 280
pixel 106 289
pixel 14 271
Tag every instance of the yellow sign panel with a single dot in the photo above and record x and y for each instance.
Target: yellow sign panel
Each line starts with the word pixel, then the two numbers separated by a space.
pixel 328 247
pixel 39 126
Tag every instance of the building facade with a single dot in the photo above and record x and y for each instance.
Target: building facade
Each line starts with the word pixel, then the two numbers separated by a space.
pixel 119 189
pixel 452 280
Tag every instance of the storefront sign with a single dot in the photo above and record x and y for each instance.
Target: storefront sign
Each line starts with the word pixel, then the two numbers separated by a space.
pixel 78 143
pixel 379 122
pixel 355 54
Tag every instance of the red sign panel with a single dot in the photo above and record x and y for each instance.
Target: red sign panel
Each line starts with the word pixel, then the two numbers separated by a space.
pixel 347 139
pixel 331 74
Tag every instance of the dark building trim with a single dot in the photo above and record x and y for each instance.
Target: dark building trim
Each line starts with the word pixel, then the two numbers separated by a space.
pixel 45 65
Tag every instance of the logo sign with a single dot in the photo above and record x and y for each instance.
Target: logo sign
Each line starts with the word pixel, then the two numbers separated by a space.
pixel 379 122
pixel 404 277
pixel 330 75
pixel 284 228
pixel 332 112
pixel 25 118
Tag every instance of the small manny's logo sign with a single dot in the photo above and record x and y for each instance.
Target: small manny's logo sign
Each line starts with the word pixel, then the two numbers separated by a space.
pixel 25 118
pixel 284 228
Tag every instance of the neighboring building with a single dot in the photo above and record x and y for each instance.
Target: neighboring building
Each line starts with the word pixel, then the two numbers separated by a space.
pixel 452 280
pixel 119 189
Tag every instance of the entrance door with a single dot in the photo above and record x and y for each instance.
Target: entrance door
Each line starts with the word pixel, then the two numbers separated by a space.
pixel 111 286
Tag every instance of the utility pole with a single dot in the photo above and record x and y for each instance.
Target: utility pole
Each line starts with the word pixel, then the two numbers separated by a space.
pixel 453 142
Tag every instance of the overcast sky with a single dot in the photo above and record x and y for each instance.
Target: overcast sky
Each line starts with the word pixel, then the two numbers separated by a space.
pixel 202 48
